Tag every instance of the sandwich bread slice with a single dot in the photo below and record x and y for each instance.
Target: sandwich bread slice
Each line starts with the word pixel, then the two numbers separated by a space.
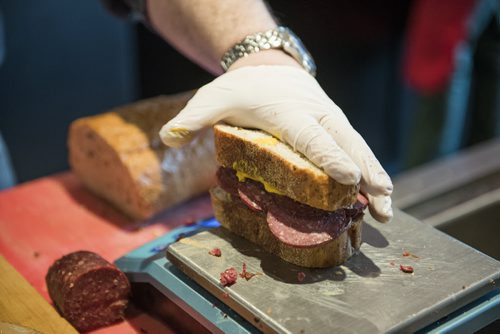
pixel 273 196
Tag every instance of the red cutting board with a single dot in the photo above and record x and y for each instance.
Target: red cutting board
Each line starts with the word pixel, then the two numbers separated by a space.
pixel 42 220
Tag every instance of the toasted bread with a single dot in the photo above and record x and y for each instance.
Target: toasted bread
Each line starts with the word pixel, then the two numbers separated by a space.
pixel 119 156
pixel 265 158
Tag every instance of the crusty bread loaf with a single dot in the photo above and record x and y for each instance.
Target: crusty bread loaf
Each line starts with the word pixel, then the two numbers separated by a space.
pixel 119 156
pixel 262 156
pixel 239 219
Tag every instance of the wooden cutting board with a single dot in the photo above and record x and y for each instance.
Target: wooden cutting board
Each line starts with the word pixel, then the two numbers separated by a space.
pixel 21 304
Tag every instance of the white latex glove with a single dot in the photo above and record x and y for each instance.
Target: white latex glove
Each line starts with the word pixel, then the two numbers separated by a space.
pixel 290 104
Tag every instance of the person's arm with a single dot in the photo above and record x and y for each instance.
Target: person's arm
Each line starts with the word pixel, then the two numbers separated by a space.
pixel 204 30
pixel 266 90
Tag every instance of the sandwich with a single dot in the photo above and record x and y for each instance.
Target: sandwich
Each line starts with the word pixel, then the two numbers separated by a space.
pixel 274 197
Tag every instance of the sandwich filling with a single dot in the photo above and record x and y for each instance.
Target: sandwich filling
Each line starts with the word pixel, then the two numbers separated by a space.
pixel 293 223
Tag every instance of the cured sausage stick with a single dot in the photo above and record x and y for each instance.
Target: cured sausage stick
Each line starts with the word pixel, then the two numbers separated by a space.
pixel 89 291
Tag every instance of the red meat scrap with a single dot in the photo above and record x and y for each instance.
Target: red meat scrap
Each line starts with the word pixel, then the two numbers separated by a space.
pixel 215 252
pixel 246 274
pixel 406 269
pixel 228 277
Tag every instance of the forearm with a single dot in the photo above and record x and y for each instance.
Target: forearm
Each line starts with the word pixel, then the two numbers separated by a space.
pixel 204 30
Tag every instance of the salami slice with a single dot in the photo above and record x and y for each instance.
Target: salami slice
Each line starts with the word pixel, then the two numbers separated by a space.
pixel 89 291
pixel 303 231
pixel 293 223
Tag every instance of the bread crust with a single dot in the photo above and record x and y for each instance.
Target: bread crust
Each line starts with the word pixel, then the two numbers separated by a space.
pixel 258 154
pixel 239 219
pixel 119 156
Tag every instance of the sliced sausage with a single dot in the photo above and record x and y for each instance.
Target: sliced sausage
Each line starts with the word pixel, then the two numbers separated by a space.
pixel 89 291
pixel 293 223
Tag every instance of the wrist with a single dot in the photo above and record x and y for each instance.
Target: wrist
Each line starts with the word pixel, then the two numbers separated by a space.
pixel 266 57
pixel 280 38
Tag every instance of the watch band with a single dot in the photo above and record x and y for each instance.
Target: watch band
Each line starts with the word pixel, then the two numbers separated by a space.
pixel 278 38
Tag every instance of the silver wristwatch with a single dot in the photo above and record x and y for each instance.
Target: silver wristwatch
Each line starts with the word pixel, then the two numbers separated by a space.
pixel 278 38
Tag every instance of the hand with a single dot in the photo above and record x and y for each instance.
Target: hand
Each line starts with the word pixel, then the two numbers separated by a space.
pixel 288 103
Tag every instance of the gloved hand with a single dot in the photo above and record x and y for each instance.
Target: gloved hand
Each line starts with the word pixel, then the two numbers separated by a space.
pixel 290 104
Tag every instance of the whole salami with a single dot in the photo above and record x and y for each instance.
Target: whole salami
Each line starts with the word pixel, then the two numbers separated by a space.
pixel 89 291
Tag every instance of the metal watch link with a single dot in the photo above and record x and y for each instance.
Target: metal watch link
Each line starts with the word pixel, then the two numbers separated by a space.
pixel 278 38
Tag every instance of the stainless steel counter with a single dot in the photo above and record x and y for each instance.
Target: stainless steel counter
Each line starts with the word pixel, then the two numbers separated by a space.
pixel 368 294
pixel 460 195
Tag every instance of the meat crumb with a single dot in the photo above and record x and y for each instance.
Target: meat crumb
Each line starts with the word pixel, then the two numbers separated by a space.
pixel 215 252
pixel 301 276
pixel 228 277
pixel 406 254
pixel 406 269
pixel 246 274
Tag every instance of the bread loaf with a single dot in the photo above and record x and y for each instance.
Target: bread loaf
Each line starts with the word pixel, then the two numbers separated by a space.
pixel 119 156
pixel 263 157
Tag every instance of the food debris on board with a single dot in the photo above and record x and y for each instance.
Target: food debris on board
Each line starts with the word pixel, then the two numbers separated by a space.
pixel 406 269
pixel 228 277
pixel 215 252
pixel 246 274
pixel 407 253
